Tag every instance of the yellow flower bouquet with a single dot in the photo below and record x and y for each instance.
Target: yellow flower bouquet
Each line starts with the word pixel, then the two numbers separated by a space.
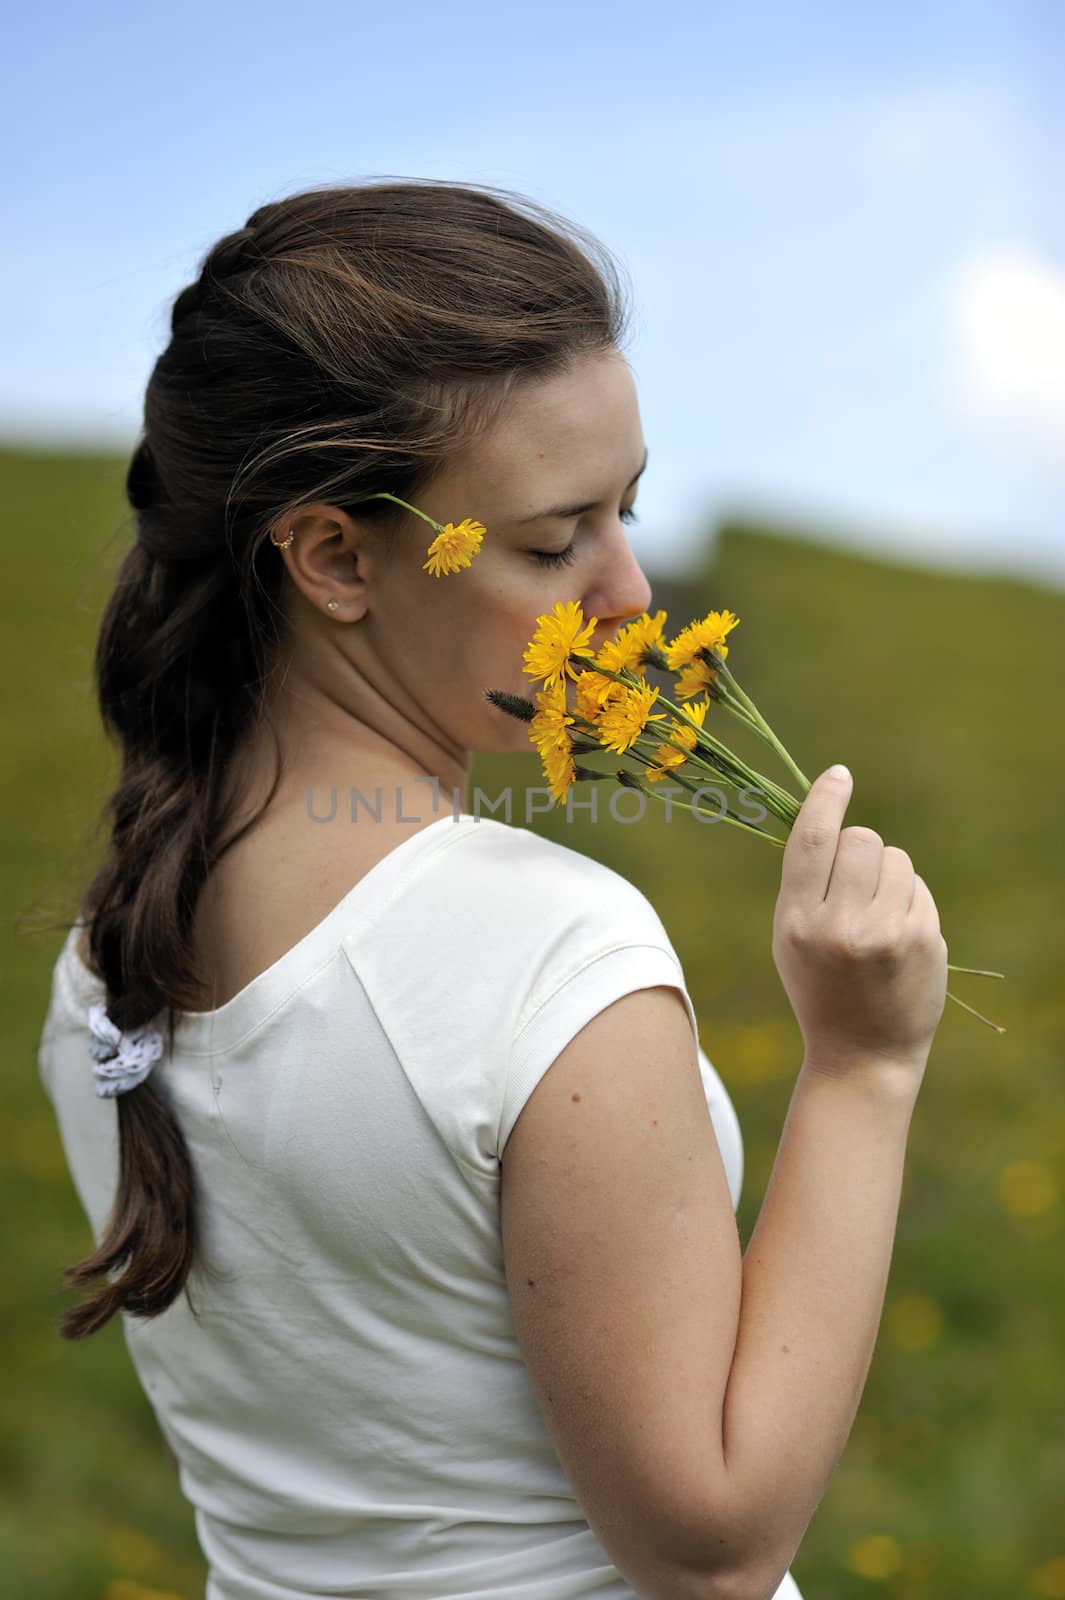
pixel 613 703
pixel 614 708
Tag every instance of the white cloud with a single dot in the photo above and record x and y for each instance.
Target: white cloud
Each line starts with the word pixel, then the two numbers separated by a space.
pixel 1006 355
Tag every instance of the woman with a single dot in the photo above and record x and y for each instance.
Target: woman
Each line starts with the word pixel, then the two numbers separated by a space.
pixel 419 1316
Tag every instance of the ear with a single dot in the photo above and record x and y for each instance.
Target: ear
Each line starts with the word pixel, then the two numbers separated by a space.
pixel 330 560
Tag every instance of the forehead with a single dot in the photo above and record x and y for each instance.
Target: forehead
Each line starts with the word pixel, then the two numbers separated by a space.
pixel 573 434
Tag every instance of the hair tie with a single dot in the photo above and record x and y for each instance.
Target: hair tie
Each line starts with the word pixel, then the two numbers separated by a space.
pixel 125 1059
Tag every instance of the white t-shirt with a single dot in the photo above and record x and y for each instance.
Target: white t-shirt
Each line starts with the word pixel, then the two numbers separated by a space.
pixel 348 1404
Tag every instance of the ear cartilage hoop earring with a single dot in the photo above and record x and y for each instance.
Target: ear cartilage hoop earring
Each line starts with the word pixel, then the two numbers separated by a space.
pixel 284 543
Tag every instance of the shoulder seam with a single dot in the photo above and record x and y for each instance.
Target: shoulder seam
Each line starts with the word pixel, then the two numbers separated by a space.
pixel 600 955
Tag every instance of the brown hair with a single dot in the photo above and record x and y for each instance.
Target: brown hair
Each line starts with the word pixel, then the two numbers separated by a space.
pixel 345 341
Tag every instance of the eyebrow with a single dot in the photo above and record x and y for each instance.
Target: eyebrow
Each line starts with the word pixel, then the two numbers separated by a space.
pixel 577 511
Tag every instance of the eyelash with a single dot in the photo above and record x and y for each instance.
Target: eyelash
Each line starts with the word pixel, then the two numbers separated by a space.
pixel 562 558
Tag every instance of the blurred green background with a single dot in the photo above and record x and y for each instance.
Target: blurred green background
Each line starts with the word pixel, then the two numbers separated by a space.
pixel 942 692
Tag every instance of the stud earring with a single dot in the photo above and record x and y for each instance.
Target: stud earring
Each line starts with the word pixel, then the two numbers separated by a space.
pixel 331 605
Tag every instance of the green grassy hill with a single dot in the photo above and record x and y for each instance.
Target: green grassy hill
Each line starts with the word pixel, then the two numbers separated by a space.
pixel 941 693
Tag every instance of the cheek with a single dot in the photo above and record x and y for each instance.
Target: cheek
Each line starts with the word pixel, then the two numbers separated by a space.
pixel 492 652
pixel 497 626
pixel 488 627
pixel 502 658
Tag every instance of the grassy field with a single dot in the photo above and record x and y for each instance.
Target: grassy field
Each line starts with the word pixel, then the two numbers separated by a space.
pixel 942 694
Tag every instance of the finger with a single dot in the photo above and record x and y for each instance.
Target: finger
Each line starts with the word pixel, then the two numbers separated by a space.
pixel 856 869
pixel 898 881
pixel 811 844
pixel 924 904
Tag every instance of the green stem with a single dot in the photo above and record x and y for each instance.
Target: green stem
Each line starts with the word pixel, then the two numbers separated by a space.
pixel 641 750
pixel 787 807
pixel 395 498
pixel 720 696
pixel 722 816
pixel 979 1016
pixel 726 816
pixel 763 725
pixel 781 804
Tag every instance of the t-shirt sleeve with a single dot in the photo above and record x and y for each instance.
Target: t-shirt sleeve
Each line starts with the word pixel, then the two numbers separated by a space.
pixel 591 937
pixel 594 966
pixel 510 945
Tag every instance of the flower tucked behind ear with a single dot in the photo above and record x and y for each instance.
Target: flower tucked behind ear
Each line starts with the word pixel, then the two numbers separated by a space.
pixel 455 545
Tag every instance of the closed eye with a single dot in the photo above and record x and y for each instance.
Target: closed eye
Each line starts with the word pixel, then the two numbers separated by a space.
pixel 562 558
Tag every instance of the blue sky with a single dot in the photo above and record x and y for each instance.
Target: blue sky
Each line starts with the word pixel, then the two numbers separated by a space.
pixel 842 226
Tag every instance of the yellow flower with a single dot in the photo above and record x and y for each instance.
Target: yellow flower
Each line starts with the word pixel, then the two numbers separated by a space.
pixel 621 652
pixel 875 1556
pixel 693 679
pixel 592 693
pixel 648 631
pixel 616 654
pixel 558 635
pixel 455 544
pixel 708 634
pixel 667 758
pixel 682 732
pixel 547 730
pixel 1027 1188
pixel 454 547
pixel 549 722
pixel 623 719
pixel 628 646
pixel 558 766
pixel 694 713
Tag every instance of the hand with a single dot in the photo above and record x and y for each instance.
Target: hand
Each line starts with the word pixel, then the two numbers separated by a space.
pixel 856 942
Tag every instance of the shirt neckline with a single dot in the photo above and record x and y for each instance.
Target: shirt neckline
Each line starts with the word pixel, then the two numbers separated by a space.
pixel 210 1032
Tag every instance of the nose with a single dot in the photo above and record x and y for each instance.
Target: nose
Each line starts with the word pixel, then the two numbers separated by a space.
pixel 625 595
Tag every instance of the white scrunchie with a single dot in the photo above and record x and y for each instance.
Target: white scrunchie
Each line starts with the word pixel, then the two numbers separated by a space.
pixel 125 1058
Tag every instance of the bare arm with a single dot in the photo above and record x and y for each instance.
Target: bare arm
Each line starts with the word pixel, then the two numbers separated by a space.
pixel 700 1397
pixel 815 1273
pixel 858 947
